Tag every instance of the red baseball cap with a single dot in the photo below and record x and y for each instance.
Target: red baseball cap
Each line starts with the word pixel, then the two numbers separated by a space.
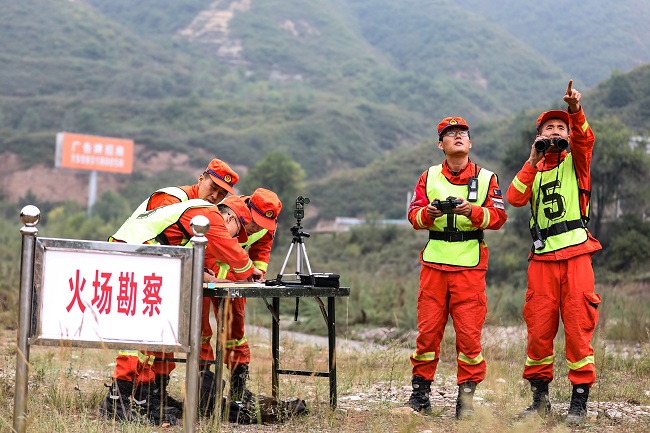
pixel 265 208
pixel 449 122
pixel 553 114
pixel 222 174
pixel 238 205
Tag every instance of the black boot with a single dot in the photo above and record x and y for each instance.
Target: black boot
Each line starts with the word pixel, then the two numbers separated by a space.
pixel 207 392
pixel 117 404
pixel 160 388
pixel 238 390
pixel 464 402
pixel 541 404
pixel 578 405
pixel 419 400
pixel 147 399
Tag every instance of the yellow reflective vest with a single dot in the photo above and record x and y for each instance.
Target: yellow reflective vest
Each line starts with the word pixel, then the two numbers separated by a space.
pixel 172 190
pixel 146 227
pixel 558 215
pixel 465 253
pixel 224 267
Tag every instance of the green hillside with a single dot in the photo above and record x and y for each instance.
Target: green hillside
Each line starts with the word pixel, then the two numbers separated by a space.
pixel 397 53
pixel 461 52
pixel 171 94
pixel 586 39
pixel 336 85
pixel 61 48
pixel 626 96
pixel 379 189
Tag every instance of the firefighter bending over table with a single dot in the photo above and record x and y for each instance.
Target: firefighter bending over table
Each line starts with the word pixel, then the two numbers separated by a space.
pixel 265 206
pixel 170 225
pixel 455 201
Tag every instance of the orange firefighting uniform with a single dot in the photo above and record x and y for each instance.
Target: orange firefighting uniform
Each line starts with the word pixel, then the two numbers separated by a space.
pixel 237 348
pixel 221 247
pixel 561 282
pixel 457 290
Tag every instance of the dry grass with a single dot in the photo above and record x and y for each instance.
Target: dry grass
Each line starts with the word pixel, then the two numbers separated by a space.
pixel 66 386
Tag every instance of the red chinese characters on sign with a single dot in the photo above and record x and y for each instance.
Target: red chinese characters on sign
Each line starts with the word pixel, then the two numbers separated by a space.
pixel 126 299
pixel 102 300
pixel 77 289
pixel 127 294
pixel 152 297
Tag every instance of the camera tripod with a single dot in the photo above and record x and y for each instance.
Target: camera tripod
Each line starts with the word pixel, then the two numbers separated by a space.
pixel 301 252
pixel 302 259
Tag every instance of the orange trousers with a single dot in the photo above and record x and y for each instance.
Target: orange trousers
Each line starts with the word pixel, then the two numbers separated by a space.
pixel 460 294
pixel 140 367
pixel 565 289
pixel 237 348
pixel 134 366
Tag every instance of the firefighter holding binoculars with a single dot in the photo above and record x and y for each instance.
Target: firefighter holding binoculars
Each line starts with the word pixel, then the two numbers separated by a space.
pixel 557 184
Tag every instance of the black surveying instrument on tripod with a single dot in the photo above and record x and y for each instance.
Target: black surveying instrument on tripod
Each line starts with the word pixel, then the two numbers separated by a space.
pixel 301 252
pixel 303 275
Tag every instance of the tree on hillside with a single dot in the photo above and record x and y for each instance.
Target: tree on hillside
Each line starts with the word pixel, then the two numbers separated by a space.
pixel 617 170
pixel 619 90
pixel 279 173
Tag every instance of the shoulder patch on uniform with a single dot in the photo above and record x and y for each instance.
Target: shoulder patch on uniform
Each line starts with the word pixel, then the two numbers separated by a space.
pixel 497 192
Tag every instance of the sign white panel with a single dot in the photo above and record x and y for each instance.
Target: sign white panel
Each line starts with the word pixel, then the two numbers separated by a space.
pixel 90 296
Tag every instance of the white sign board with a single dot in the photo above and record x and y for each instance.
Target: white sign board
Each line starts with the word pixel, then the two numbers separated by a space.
pixel 101 297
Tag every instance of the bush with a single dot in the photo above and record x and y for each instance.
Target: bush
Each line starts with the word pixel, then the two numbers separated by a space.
pixel 626 238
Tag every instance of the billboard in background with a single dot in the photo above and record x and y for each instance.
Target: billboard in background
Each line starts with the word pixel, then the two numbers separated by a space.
pixel 89 152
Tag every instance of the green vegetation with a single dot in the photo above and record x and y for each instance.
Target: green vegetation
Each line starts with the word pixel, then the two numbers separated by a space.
pixel 542 25
pixel 335 85
pixel 339 92
pixel 66 386
pixel 336 100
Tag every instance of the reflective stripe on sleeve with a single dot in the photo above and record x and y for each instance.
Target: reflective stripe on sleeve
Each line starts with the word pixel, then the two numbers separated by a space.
pixel 262 266
pixel 486 218
pixel 419 217
pixel 519 185
pixel 584 361
pixel 471 361
pixel 585 126
pixel 244 269
pixel 544 361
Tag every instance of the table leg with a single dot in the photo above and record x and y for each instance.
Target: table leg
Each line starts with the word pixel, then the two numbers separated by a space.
pixel 275 349
pixel 218 358
pixel 331 333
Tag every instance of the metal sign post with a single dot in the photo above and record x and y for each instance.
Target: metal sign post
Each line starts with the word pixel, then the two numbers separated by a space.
pixel 200 226
pixel 30 217
pixel 109 295
pixel 92 192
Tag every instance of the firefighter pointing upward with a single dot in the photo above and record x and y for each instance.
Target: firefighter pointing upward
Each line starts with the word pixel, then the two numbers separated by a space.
pixel 455 201
pixel 557 184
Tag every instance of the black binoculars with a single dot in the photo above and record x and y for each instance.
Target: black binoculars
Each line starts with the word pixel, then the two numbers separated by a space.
pixel 544 143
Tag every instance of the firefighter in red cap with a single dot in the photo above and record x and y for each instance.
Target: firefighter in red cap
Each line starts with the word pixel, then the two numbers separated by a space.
pixel 265 208
pixel 556 184
pixel 455 202
pixel 134 367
